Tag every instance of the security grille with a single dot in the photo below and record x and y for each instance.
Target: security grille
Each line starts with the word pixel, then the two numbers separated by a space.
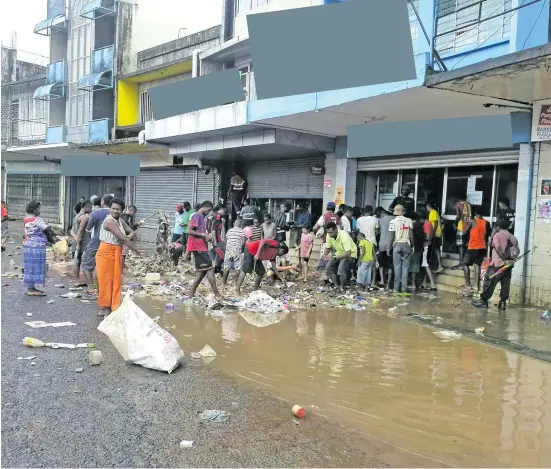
pixel 458 23
pixel 79 50
pixel 22 188
pixel 145 110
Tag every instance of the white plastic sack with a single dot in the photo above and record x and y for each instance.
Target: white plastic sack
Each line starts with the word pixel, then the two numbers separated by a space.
pixel 260 302
pixel 141 340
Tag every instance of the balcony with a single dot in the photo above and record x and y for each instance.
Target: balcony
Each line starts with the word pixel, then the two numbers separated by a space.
pixel 98 130
pixel 55 134
pixel 101 77
pixel 55 83
pixel 95 9
pixel 56 21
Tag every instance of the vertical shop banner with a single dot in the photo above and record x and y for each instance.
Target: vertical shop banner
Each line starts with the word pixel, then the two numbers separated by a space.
pixel 541 121
pixel 339 196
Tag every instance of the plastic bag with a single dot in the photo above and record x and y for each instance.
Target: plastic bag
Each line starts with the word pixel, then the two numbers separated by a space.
pixel 141 340
pixel 61 247
pixel 260 302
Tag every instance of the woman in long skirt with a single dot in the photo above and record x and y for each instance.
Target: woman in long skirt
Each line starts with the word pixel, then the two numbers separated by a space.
pixel 114 234
pixel 37 236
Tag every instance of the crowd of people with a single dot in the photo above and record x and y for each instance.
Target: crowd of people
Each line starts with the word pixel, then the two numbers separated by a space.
pixel 398 249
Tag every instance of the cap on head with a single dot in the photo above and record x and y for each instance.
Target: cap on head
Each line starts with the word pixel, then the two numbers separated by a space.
pixel 179 207
pixel 399 210
pixel 331 206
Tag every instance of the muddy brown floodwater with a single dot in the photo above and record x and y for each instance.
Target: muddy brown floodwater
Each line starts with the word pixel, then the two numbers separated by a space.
pixel 459 402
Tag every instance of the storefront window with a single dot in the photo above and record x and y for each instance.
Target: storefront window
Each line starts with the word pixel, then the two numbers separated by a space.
pixel 430 185
pixel 476 184
pixel 507 185
pixel 388 188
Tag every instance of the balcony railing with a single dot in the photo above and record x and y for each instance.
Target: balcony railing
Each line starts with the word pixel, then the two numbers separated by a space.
pixel 55 134
pixel 101 77
pixel 55 83
pixel 98 130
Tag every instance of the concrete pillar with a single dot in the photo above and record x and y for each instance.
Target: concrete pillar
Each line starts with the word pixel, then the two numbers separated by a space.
pixel 340 174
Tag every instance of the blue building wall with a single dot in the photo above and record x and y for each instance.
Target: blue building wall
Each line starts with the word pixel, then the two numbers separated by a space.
pixel 529 28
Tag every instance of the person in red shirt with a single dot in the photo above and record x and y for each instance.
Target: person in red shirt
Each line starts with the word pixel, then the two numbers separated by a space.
pixel 198 239
pixel 255 253
pixel 5 219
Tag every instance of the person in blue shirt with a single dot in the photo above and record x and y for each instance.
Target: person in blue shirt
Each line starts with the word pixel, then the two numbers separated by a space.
pixel 88 263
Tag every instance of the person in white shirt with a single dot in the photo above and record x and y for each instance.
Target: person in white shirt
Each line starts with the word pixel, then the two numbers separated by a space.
pixel 345 220
pixel 402 230
pixel 368 224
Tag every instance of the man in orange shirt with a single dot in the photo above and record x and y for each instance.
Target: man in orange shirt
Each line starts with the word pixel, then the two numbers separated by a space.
pixel 479 232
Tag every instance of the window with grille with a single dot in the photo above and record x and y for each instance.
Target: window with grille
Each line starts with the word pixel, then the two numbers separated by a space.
pixel 145 111
pixel 242 6
pixel 413 23
pixel 458 23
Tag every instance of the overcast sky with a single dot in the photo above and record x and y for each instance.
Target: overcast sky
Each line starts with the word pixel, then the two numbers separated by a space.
pixel 21 16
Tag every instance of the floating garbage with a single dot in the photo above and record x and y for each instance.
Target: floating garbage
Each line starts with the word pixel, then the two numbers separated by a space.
pixel 545 315
pixel 479 330
pixel 207 352
pixel 447 335
pixel 169 307
pixel 217 416
pixel 261 302
pixel 186 444
pixel 152 277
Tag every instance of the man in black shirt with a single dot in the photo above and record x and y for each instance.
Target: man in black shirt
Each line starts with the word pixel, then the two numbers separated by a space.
pixel 405 200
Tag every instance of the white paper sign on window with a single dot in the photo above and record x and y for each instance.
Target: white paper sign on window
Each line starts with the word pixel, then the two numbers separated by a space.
pixel 474 197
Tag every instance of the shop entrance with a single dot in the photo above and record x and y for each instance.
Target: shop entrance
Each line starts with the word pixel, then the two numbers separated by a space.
pixel 483 186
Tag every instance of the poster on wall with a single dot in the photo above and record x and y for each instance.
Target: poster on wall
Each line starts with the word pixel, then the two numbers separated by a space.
pixel 339 196
pixel 543 211
pixel 541 121
pixel 546 187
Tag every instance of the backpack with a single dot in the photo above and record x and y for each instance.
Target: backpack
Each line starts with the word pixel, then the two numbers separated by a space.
pixel 511 250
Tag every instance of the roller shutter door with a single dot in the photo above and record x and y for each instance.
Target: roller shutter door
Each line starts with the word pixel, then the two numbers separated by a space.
pixel 160 190
pixel 205 187
pixel 439 161
pixel 285 179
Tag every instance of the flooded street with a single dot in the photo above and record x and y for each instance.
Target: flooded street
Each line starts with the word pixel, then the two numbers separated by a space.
pixel 459 403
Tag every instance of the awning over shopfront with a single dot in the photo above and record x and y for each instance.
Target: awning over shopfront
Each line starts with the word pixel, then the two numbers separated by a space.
pixel 48 92
pixel 520 78
pixel 96 81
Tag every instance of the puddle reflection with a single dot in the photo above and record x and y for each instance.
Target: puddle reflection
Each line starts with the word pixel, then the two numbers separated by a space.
pixel 462 402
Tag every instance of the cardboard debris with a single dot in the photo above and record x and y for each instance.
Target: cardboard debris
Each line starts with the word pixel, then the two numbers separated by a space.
pixel 39 324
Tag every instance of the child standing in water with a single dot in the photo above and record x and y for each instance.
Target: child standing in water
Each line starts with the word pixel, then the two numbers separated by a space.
pixel 306 245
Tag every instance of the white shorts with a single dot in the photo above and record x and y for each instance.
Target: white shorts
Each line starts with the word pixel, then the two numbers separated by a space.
pixel 425 262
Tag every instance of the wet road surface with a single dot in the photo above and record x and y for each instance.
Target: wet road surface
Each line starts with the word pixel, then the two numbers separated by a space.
pixel 459 402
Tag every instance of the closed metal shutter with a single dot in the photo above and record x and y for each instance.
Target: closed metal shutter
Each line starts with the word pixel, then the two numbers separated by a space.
pixel 291 179
pixel 205 187
pixel 161 190
pixel 439 161
pixel 22 188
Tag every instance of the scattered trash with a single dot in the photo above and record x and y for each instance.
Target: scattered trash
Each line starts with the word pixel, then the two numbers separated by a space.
pixel 157 318
pixel 392 310
pixel 31 342
pixel 72 295
pixel 30 315
pixel 59 285
pixel 141 340
pixel 38 324
pixel 299 411
pixel 186 444
pixel 32 357
pixel 261 302
pixel 488 322
pixel 152 277
pixel 195 355
pixel 447 335
pixel 479 330
pixel 545 315
pixel 79 370
pixel 207 352
pixel 169 307
pixel 85 301
pixel 217 416
pixel 95 357
pixel 76 289
pixel 33 363
pixel 50 302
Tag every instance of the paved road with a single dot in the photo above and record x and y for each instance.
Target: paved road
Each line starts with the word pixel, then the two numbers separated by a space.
pixel 118 415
